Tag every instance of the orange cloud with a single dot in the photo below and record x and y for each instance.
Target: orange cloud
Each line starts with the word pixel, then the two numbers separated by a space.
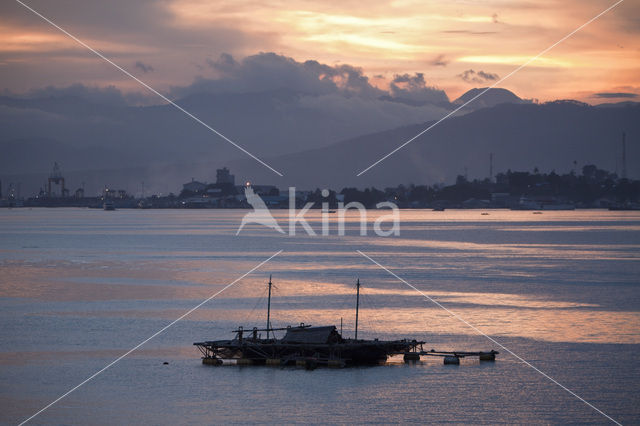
pixel 384 39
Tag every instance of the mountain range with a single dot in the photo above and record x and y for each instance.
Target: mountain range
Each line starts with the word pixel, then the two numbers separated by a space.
pixel 315 141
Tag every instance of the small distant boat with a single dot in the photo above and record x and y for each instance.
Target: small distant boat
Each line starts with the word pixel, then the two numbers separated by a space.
pixel 484 214
pixel 108 205
pixel 547 204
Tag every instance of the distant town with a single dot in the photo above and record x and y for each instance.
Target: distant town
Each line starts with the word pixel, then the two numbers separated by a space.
pixel 590 188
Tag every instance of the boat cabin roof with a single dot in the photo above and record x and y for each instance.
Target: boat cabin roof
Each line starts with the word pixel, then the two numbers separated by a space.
pixel 321 335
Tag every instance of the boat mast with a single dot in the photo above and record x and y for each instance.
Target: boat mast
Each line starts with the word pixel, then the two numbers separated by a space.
pixel 269 307
pixel 357 305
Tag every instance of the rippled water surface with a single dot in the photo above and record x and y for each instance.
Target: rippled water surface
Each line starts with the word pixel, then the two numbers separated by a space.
pixel 78 288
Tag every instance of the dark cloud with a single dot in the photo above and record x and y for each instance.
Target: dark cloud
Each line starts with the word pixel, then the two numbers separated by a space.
pixel 109 95
pixel 309 93
pixel 416 80
pixel 610 95
pixel 487 75
pixel 104 19
pixel 285 101
pixel 145 68
pixel 471 76
pixel 124 31
pixel 440 61
pixel 270 71
pixel 413 88
pixel 225 63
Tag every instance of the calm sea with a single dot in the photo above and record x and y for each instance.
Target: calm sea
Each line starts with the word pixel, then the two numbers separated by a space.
pixel 78 288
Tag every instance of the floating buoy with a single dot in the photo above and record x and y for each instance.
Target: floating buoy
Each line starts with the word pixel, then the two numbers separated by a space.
pixel 165 363
pixel 411 356
pixel 244 361
pixel 336 363
pixel 274 361
pixel 211 361
pixel 451 360
pixel 487 356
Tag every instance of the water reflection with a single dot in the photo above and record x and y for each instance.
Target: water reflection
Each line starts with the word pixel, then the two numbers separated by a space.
pixel 466 261
pixel 80 287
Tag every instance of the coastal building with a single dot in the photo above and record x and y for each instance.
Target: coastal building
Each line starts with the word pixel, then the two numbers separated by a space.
pixel 265 190
pixel 223 176
pixel 120 194
pixel 194 186
pixel 56 178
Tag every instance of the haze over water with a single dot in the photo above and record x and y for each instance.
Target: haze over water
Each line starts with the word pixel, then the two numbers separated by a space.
pixel 80 287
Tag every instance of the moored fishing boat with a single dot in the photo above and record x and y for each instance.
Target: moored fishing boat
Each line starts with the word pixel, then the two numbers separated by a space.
pixel 316 346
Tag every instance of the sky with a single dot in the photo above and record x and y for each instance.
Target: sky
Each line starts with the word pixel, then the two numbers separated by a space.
pixel 453 45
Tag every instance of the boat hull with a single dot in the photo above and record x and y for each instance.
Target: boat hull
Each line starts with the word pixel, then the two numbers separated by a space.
pixel 349 352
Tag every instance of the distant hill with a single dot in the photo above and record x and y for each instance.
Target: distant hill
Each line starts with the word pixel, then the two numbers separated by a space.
pixel 492 97
pixel 266 123
pixel 549 136
pixel 618 104
pixel 121 146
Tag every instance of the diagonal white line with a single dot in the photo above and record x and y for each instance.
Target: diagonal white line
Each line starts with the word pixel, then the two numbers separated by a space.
pixel 426 296
pixel 490 87
pixel 151 89
pixel 151 337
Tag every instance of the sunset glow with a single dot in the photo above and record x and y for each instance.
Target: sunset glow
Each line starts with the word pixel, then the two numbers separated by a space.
pixel 439 39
